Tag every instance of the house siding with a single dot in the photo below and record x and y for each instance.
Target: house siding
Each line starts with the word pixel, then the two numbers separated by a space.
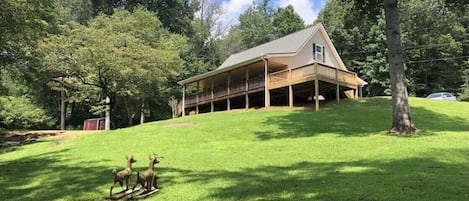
pixel 305 55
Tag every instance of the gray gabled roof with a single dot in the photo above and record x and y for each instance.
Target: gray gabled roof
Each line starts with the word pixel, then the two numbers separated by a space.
pixel 289 44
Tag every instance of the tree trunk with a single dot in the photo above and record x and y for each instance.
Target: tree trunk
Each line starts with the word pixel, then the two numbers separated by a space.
pixel 402 121
pixel 107 122
pixel 142 113
pixel 62 107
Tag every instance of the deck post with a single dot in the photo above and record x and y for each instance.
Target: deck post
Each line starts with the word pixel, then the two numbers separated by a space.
pixel 290 90
pixel 361 91
pixel 316 89
pixel 266 80
pixel 358 88
pixel 211 97
pixel 183 100
pixel 228 104
pixel 337 92
pixel 316 94
pixel 356 93
pixel 247 89
pixel 197 99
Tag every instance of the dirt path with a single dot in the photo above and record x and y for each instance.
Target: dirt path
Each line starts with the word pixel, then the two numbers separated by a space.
pixel 17 138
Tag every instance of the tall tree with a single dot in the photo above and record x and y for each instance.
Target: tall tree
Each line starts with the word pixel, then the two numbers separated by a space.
pixel 433 39
pixel 207 28
pixel 231 43
pixel 23 23
pixel 76 10
pixel 255 24
pixel 401 117
pixel 118 56
pixel 432 36
pixel 176 15
pixel 286 21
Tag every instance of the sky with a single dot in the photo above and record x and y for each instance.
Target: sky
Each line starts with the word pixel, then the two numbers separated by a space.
pixel 307 9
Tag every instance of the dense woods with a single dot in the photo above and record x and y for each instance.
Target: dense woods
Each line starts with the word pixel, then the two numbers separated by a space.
pixel 134 52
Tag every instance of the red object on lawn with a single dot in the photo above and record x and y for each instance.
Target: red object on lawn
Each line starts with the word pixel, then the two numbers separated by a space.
pixel 94 124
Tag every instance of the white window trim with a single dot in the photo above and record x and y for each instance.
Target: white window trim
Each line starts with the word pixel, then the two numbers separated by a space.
pixel 319 55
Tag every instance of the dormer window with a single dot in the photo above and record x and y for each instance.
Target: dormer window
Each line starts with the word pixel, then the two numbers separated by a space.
pixel 319 52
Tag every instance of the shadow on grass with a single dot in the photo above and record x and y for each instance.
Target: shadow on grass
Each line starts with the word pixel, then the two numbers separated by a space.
pixel 355 118
pixel 19 146
pixel 4 150
pixel 48 177
pixel 421 178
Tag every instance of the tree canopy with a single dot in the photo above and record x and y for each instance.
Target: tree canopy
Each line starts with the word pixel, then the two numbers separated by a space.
pixel 115 56
pixel 433 37
pixel 135 51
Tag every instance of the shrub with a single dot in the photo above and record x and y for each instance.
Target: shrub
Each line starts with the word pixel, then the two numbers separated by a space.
pixel 20 112
pixel 464 96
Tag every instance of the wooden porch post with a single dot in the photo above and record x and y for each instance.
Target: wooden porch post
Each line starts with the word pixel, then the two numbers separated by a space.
pixel 183 100
pixel 266 80
pixel 247 89
pixel 211 97
pixel 316 88
pixel 197 99
pixel 290 90
pixel 337 92
pixel 361 91
pixel 357 88
pixel 316 94
pixel 228 103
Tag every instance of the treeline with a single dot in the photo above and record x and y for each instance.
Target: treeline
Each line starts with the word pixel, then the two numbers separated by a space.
pixel 435 38
pixel 134 52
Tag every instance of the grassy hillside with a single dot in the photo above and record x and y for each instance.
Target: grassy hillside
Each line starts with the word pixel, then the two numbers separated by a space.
pixel 339 153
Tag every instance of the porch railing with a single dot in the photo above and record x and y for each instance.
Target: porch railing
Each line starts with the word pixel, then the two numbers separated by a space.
pixel 276 80
pixel 310 72
pixel 236 88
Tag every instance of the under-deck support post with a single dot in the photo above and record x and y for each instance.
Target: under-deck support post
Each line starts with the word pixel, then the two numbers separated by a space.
pixel 290 96
pixel 211 97
pixel 337 93
pixel 316 89
pixel 290 90
pixel 197 99
pixel 361 91
pixel 266 87
pixel 183 100
pixel 316 94
pixel 247 89
pixel 228 103
pixel 357 88
pixel 337 90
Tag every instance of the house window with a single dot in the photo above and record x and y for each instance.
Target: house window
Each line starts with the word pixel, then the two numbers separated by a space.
pixel 319 52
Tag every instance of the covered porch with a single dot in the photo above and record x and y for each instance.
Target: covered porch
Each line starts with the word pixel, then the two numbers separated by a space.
pixel 266 82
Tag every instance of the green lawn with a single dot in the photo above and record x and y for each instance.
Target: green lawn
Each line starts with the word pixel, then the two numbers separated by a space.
pixel 339 153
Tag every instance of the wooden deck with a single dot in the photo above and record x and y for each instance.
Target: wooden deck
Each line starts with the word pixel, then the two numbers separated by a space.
pixel 221 93
pixel 279 79
pixel 312 72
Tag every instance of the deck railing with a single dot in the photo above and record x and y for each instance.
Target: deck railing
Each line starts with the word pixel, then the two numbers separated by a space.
pixel 254 84
pixel 309 72
pixel 276 80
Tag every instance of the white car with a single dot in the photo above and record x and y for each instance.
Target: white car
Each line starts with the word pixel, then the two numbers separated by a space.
pixel 442 96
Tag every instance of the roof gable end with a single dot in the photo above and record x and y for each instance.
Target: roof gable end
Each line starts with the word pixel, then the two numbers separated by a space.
pixel 289 44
